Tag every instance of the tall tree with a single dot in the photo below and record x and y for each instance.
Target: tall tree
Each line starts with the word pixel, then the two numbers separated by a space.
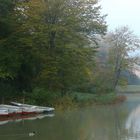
pixel 18 59
pixel 122 43
pixel 49 40
pixel 70 28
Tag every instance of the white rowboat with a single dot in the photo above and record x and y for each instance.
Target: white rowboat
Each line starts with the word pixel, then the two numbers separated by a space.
pixel 4 112
pixel 37 109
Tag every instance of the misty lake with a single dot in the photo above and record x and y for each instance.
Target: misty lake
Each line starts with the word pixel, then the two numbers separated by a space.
pixel 119 122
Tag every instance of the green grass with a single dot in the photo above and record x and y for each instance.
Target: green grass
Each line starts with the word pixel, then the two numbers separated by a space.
pixel 94 98
pixel 43 97
pixel 129 89
pixel 79 96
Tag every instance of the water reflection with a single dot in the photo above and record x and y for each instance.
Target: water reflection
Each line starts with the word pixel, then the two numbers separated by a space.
pixel 121 122
pixel 93 123
pixel 5 120
pixel 133 123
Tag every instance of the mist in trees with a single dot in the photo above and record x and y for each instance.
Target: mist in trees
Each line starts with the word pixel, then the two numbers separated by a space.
pixel 57 44
pixel 117 48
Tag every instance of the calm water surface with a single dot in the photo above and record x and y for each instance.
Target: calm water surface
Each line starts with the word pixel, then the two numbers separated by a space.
pixel 120 122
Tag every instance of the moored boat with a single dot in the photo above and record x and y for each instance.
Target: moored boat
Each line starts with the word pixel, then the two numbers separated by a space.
pixel 38 109
pixel 4 112
pixel 23 109
pixel 15 110
pixel 27 110
pixel 11 109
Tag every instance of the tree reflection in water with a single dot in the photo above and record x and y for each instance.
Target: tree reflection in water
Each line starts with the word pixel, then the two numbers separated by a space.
pixel 133 123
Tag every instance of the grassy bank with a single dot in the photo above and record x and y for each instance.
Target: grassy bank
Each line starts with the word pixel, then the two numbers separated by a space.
pixel 103 99
pixel 128 89
pixel 86 99
pixel 71 100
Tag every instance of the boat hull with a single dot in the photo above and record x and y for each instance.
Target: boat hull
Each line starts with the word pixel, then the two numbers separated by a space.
pixel 23 109
pixel 4 112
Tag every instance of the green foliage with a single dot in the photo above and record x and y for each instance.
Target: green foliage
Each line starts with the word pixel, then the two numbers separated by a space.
pixel 18 57
pixel 6 17
pixel 41 96
pixel 65 102
pixel 48 44
pixel 7 26
pixel 68 56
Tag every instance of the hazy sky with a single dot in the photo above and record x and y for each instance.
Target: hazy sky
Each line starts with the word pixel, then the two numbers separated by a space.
pixel 122 12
